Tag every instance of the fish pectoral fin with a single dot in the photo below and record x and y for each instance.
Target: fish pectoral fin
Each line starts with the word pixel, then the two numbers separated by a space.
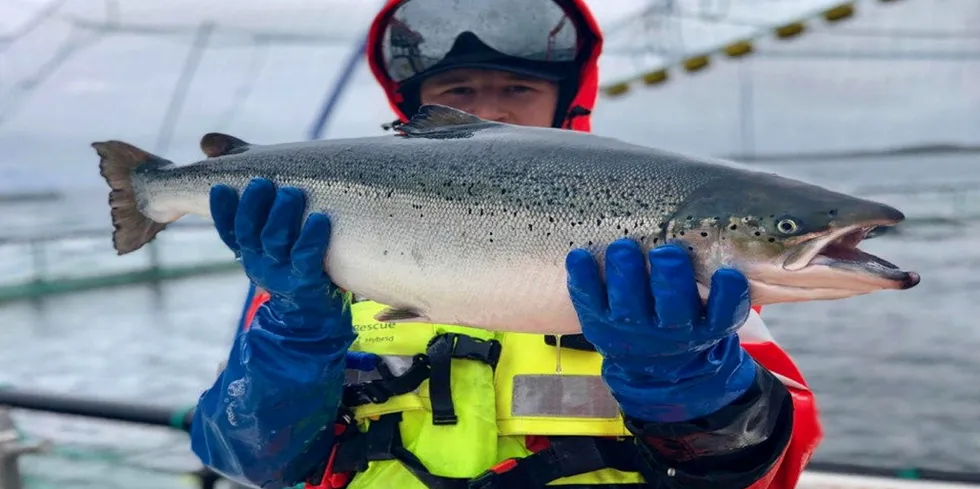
pixel 397 315
pixel 215 144
pixel 439 121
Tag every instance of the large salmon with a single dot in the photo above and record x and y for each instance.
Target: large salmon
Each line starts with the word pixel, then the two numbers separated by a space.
pixel 465 221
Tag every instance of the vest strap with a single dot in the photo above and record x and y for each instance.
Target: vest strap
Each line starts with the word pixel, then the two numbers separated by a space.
pixel 440 353
pixel 435 365
pixel 441 350
pixel 380 390
pixel 565 457
pixel 382 441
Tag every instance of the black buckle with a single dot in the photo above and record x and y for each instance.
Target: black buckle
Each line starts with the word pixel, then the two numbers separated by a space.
pixel 442 419
pixel 369 392
pixel 486 351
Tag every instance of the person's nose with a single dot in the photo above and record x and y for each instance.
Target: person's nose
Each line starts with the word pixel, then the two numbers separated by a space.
pixel 489 110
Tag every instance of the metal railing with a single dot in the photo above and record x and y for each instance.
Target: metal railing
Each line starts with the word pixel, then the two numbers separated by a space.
pixel 14 445
pixel 56 263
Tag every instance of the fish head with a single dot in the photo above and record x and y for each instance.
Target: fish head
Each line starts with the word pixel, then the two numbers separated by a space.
pixel 792 240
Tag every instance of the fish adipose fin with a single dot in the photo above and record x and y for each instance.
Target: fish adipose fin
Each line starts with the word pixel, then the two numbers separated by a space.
pixel 439 121
pixel 215 144
pixel 119 161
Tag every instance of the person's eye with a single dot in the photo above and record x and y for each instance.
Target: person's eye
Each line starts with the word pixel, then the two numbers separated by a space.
pixel 462 90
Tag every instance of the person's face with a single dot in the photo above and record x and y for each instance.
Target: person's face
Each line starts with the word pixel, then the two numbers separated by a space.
pixel 494 95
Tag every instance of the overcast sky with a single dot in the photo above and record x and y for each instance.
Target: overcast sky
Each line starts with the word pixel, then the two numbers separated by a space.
pixel 118 86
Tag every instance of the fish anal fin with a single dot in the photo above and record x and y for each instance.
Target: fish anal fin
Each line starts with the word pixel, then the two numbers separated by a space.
pixel 440 121
pixel 398 315
pixel 215 144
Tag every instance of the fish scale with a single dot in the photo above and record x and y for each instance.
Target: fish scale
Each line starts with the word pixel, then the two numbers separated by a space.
pixel 464 221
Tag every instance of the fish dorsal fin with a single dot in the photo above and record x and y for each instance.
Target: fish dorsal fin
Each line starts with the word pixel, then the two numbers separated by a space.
pixel 218 144
pixel 434 120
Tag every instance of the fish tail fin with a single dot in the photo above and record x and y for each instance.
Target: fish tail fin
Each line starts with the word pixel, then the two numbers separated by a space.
pixel 119 161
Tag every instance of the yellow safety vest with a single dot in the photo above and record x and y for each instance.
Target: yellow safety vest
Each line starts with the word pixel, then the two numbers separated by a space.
pixel 494 407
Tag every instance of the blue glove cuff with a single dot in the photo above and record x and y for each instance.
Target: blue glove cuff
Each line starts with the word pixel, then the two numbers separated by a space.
pixel 707 381
pixel 281 313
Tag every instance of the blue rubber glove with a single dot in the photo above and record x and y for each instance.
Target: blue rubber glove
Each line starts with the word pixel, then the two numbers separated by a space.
pixel 667 357
pixel 279 253
pixel 268 419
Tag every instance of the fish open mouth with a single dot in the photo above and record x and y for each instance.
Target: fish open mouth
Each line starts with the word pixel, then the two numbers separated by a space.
pixel 838 249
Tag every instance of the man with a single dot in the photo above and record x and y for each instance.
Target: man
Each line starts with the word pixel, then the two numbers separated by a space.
pixel 659 391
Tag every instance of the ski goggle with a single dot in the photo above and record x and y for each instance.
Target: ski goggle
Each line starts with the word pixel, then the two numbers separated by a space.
pixel 420 33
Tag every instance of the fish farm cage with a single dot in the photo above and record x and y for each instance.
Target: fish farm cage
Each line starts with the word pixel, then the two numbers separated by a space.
pixel 901 73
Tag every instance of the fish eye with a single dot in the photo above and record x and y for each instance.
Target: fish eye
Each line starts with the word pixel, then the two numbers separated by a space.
pixel 787 226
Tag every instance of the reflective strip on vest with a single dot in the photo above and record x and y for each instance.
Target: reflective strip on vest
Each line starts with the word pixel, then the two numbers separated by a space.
pixel 567 396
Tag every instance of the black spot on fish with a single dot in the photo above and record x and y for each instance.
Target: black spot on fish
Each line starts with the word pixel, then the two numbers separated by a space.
pixel 704 234
pixel 733 227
